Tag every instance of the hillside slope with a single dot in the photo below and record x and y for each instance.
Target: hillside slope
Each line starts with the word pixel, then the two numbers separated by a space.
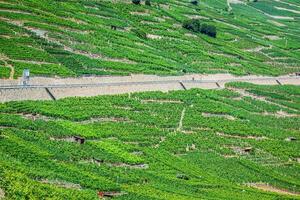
pixel 238 143
pixel 73 38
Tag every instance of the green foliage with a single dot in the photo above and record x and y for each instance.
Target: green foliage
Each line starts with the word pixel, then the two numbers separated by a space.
pixel 140 33
pixel 4 72
pixel 133 145
pixel 196 26
pixel 137 2
pixel 76 38
pixel 148 2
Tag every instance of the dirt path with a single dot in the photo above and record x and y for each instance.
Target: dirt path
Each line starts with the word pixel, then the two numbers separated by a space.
pixel 63 184
pixel 269 188
pixel 181 120
pixel 12 72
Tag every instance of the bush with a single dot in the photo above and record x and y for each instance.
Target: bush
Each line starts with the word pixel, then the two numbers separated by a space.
pixel 192 25
pixel 196 26
pixel 140 33
pixel 137 2
pixel 194 2
pixel 209 30
pixel 148 2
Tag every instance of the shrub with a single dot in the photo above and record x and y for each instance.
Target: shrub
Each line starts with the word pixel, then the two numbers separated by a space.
pixel 137 2
pixel 140 33
pixel 196 26
pixel 208 30
pixel 148 2
pixel 192 25
pixel 194 2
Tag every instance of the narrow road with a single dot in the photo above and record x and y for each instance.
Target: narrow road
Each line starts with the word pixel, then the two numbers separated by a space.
pixel 41 87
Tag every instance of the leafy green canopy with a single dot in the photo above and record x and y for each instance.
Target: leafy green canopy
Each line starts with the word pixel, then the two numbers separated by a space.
pixel 135 146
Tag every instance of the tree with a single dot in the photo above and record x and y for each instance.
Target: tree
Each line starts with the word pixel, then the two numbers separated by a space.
pixel 193 25
pixel 194 2
pixel 148 2
pixel 137 2
pixel 208 30
pixel 196 26
pixel 140 33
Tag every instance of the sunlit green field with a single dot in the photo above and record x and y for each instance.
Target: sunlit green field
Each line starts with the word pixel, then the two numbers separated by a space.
pixel 194 144
pixel 116 37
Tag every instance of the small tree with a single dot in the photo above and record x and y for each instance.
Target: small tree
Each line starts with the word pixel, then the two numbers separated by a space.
pixel 193 25
pixel 148 2
pixel 140 33
pixel 208 30
pixel 194 2
pixel 196 26
pixel 137 2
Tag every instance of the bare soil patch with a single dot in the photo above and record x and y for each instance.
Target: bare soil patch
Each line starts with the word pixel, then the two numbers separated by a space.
pixel 137 153
pixel 36 117
pixel 235 1
pixel 125 165
pixel 222 54
pixel 160 101
pixel 280 114
pixel 229 117
pixel 280 17
pixel 66 139
pixel 137 166
pixel 98 56
pixel 92 161
pixel 180 154
pixel 196 17
pixel 241 150
pixel 154 37
pixel 272 37
pixel 140 13
pixel 230 156
pixel 191 35
pixel 111 194
pixel 75 139
pixel 286 9
pixel 111 119
pixel 188 131
pixel 12 72
pixel 268 188
pixel 15 11
pixel 63 184
pixel 276 23
pixel 39 32
pixel 132 142
pixel 191 147
pixel 123 107
pixel 32 62
pixel 165 6
pixel 2 194
pixel 241 137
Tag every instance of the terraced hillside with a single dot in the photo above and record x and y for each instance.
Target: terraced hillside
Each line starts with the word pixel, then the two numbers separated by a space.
pixel 237 143
pixel 109 37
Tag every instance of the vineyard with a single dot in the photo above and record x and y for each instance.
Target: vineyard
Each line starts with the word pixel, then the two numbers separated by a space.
pixel 241 142
pixel 116 37
pixel 199 99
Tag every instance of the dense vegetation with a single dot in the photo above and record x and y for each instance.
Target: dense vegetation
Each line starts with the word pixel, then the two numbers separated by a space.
pixel 195 144
pixel 72 38
pixel 196 26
